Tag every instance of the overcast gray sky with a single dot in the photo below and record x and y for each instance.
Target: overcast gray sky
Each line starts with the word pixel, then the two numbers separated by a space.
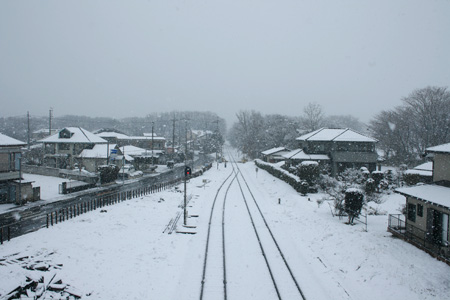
pixel 130 58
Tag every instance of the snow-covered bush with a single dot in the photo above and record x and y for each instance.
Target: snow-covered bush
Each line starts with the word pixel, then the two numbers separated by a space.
pixel 309 172
pixel 353 203
pixel 280 173
pixel 108 173
pixel 351 177
pixel 370 187
pixel 304 188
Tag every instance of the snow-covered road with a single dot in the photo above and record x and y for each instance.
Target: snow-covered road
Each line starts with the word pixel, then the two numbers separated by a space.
pixel 123 253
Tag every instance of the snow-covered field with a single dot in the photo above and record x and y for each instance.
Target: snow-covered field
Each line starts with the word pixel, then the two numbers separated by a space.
pixel 122 252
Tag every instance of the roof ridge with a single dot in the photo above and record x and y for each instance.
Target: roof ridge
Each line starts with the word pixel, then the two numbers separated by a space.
pixel 367 136
pixel 345 130
pixel 317 131
pixel 84 134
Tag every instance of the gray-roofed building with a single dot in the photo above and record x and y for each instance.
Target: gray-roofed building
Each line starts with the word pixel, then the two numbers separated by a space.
pixel 345 148
pixel 274 155
pixel 426 223
pixel 12 188
pixel 61 148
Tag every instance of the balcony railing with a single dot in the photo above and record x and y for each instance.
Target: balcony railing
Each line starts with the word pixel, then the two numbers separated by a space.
pixel 398 226
pixel 11 175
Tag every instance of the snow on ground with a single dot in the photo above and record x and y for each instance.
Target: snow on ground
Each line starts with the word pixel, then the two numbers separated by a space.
pixel 122 253
pixel 49 184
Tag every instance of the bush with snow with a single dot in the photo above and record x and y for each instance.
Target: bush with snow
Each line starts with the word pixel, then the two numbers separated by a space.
pixel 353 203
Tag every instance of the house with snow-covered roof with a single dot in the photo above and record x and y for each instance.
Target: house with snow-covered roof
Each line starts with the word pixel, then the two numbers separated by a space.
pixel 61 149
pixel 421 173
pixel 297 156
pixel 102 154
pixel 147 141
pixel 344 147
pixel 143 159
pixel 12 188
pixel 274 155
pixel 426 223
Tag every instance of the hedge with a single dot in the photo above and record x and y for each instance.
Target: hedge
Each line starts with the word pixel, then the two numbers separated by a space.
pixel 282 174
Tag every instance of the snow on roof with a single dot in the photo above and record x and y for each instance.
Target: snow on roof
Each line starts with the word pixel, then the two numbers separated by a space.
pixel 309 163
pixel 77 135
pixel 9 141
pixel 419 172
pixel 428 166
pixel 132 150
pixel 444 148
pixel 136 151
pixel 99 151
pixel 425 169
pixel 436 194
pixel 144 138
pixel 334 134
pixel 112 134
pixel 274 150
pixel 298 154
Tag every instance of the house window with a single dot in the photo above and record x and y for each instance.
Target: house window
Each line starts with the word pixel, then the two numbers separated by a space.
pixel 445 228
pixel 420 210
pixel 412 212
pixel 64 146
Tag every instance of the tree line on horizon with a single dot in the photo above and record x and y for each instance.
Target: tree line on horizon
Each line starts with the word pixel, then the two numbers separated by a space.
pixel 403 133
pixel 163 124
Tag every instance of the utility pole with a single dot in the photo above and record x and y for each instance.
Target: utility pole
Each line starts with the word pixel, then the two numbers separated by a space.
pixel 50 115
pixel 173 137
pixel 216 142
pixel 153 160
pixel 185 177
pixel 20 179
pixel 28 118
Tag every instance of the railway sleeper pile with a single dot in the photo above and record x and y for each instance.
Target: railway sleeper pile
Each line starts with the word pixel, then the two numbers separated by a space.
pixel 40 280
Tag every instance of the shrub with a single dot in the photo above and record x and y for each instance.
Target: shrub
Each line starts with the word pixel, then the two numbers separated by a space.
pixel 108 173
pixel 411 178
pixel 309 172
pixel 354 199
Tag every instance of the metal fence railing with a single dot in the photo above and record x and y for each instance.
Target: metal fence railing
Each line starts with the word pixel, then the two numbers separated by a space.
pixel 398 226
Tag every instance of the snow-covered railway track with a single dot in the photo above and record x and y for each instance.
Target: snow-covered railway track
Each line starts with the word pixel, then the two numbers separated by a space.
pixel 282 277
pixel 214 278
pixel 240 238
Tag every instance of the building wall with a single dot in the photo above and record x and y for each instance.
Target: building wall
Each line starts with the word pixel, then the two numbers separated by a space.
pixel 4 162
pixel 420 221
pixel 421 215
pixel 441 167
pixel 8 159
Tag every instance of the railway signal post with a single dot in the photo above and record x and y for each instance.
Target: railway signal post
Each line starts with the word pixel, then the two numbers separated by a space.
pixel 187 173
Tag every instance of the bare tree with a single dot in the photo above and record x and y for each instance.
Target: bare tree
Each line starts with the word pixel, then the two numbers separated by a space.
pixel 421 122
pixel 313 117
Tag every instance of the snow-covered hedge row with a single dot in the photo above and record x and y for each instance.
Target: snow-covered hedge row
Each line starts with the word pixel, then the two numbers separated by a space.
pixel 280 173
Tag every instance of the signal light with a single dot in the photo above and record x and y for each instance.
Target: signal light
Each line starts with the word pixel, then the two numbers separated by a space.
pixel 187 171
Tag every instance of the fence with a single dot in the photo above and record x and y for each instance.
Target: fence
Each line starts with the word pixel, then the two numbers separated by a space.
pixel 44 216
pixel 398 226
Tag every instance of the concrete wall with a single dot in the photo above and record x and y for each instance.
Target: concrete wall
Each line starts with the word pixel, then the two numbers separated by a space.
pixel 40 170
pixel 55 172
pixel 441 167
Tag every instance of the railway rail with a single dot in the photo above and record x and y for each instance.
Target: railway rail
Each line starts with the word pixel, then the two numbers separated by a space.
pixel 214 283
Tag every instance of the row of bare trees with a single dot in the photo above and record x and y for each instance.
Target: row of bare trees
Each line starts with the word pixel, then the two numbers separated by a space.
pixel 254 132
pixel 422 121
